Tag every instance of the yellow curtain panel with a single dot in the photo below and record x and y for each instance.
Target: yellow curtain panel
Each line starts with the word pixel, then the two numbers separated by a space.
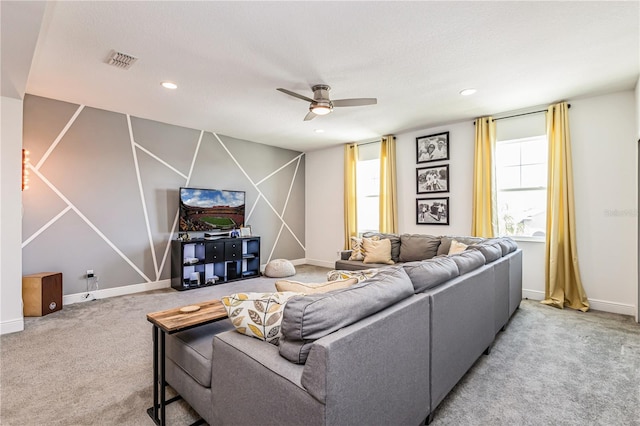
pixel 388 192
pixel 350 201
pixel 563 286
pixel 484 215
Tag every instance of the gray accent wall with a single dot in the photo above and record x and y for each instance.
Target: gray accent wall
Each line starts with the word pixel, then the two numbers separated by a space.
pixel 104 192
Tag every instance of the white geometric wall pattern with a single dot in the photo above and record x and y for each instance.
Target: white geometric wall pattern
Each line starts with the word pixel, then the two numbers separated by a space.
pixel 104 192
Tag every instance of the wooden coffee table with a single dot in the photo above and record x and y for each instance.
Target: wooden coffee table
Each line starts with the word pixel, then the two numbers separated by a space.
pixel 169 322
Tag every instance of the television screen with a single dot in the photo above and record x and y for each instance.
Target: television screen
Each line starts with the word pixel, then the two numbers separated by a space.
pixel 206 210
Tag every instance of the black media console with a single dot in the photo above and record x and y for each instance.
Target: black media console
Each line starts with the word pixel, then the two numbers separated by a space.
pixel 203 262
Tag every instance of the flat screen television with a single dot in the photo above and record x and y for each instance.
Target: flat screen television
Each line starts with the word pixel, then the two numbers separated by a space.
pixel 210 210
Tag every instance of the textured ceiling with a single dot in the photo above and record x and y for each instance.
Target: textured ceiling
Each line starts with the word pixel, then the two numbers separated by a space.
pixel 229 57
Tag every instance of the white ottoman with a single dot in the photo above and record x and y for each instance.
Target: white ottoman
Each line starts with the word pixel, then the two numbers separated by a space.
pixel 279 268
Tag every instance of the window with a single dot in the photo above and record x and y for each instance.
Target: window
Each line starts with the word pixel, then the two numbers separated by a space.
pixel 521 182
pixel 368 187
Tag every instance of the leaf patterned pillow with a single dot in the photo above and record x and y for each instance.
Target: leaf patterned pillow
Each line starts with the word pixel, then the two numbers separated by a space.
pixel 258 314
pixel 361 274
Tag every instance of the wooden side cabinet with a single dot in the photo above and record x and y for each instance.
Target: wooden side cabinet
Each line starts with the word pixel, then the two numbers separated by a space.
pixel 41 293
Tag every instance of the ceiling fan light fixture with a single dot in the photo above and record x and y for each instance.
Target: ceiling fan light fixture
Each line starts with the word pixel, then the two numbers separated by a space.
pixel 321 109
pixel 468 92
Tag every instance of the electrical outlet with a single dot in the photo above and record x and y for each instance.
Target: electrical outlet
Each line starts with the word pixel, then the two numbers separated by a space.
pixel 90 273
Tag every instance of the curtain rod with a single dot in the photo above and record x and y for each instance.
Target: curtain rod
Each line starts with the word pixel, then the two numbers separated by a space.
pixel 518 115
pixel 367 143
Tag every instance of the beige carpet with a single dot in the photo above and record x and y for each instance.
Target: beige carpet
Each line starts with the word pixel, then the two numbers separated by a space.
pixel 90 364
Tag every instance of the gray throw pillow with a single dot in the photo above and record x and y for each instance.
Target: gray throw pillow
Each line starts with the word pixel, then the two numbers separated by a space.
pixel 418 247
pixel 310 317
pixel 395 243
pixel 431 273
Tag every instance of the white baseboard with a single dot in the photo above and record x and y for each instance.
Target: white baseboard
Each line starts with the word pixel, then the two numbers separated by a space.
pixel 322 263
pixel 12 326
pixel 115 291
pixel 595 304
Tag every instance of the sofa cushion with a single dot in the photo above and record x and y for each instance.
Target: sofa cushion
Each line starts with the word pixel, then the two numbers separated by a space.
pixel 491 252
pixel 258 314
pixel 507 245
pixel 431 273
pixel 309 288
pixel 418 247
pixel 357 248
pixel 395 243
pixel 310 317
pixel 457 247
pixel 445 242
pixel 468 260
pixel 192 350
pixel 361 274
pixel 377 251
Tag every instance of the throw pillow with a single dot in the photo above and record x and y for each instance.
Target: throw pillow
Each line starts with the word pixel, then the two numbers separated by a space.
pixel 258 314
pixel 361 274
pixel 418 247
pixel 457 247
pixel 395 243
pixel 357 251
pixel 309 288
pixel 377 251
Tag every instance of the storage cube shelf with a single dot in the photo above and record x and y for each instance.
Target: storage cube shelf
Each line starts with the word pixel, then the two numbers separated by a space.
pixel 202 262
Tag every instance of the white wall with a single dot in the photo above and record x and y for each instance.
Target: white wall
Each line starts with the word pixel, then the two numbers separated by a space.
pixel 324 185
pixel 637 94
pixel 11 319
pixel 603 131
pixel 604 163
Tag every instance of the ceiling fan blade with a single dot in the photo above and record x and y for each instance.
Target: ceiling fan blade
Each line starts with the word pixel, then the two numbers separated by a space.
pixel 294 94
pixel 310 116
pixel 354 102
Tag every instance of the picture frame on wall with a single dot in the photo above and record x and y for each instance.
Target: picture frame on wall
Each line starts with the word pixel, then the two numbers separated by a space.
pixel 432 147
pixel 432 179
pixel 432 211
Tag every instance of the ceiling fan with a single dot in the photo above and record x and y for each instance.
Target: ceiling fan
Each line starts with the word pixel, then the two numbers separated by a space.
pixel 322 105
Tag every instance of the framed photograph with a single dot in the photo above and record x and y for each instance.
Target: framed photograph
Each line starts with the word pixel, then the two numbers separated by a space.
pixel 432 148
pixel 432 179
pixel 245 231
pixel 432 211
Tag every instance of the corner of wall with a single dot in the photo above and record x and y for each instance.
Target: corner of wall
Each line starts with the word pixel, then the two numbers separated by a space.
pixel 11 319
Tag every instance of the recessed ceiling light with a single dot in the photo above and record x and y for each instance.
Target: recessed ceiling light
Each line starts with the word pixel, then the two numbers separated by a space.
pixel 319 131
pixel 169 85
pixel 467 92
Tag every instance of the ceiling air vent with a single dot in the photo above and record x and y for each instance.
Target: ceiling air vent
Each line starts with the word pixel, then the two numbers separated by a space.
pixel 121 60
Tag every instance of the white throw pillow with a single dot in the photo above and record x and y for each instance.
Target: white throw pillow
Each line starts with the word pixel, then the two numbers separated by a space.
pixel 309 288
pixel 457 247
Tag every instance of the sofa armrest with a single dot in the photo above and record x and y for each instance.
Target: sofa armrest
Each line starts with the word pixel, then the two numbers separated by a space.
pixel 345 254
pixel 353 369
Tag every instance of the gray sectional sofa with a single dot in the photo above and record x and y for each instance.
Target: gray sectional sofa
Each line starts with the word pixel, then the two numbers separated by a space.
pixel 384 351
